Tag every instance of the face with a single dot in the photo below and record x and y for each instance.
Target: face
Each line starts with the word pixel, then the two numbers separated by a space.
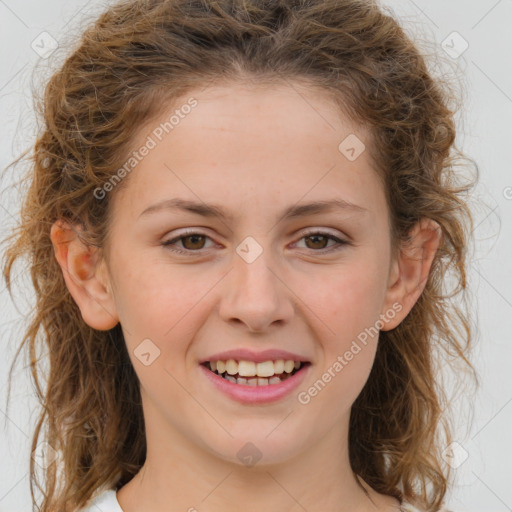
pixel 190 283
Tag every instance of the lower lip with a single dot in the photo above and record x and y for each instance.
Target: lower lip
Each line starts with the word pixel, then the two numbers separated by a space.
pixel 256 394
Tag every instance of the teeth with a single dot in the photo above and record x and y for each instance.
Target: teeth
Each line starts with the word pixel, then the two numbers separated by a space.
pixel 278 366
pixel 288 366
pixel 251 369
pixel 256 381
pixel 247 368
pixel 265 369
pixel 231 366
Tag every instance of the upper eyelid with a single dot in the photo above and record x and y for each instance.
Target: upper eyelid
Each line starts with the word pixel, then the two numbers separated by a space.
pixel 304 232
pixel 301 235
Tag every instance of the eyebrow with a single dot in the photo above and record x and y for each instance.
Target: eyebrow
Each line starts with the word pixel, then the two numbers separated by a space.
pixel 212 210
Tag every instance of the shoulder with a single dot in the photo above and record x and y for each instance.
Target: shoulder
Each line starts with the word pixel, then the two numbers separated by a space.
pixel 409 507
pixel 105 500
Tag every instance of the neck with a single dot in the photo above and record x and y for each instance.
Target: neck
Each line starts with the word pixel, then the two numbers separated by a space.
pixel 182 474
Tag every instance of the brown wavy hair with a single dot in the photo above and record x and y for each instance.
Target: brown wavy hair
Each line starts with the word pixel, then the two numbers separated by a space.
pixel 137 56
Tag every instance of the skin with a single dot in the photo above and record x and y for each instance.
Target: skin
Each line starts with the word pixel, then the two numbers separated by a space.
pixel 255 151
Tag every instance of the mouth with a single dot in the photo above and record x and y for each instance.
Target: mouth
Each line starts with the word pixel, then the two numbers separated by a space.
pixel 249 373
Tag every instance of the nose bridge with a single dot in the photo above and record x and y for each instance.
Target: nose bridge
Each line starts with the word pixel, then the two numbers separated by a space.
pixel 254 294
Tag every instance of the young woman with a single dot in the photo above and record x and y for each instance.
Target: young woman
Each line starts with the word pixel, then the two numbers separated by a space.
pixel 241 222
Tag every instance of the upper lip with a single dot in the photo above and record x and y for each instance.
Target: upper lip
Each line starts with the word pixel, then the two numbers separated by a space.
pixel 257 357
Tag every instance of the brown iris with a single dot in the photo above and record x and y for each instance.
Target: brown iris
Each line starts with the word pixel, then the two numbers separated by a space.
pixel 324 239
pixel 194 238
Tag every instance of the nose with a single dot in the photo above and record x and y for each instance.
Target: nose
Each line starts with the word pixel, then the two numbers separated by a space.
pixel 255 295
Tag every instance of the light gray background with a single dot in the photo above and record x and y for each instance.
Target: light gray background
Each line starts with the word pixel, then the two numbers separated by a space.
pixel 484 479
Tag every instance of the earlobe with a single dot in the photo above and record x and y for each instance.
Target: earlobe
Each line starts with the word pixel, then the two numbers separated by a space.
pixel 410 271
pixel 86 276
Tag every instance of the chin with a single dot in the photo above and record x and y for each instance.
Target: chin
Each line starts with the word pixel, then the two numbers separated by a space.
pixel 259 450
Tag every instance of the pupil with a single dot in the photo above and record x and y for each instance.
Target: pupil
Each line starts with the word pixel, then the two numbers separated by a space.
pixel 317 237
pixel 193 237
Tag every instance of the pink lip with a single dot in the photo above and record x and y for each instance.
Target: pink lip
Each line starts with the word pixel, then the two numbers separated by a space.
pixel 256 394
pixel 257 357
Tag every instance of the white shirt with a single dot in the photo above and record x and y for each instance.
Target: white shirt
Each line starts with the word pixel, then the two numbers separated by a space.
pixel 107 502
pixel 104 502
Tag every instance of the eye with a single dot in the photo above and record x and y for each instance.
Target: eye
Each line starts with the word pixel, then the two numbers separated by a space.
pixel 191 241
pixel 320 238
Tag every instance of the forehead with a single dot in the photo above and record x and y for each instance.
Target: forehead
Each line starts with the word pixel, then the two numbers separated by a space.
pixel 243 138
pixel 257 106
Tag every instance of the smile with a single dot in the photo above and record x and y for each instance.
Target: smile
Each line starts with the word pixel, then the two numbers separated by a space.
pixel 249 373
pixel 243 382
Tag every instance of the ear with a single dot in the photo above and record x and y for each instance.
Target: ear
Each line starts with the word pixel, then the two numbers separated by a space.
pixel 86 276
pixel 410 270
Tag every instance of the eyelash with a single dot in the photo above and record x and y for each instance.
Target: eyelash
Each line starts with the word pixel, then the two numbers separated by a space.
pixel 168 243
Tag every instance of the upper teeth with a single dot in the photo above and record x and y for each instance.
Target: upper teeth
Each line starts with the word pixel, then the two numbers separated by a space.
pixel 252 369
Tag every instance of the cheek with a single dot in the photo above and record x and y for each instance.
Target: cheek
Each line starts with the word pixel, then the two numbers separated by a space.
pixel 355 304
pixel 158 300
pixel 348 298
pixel 351 309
